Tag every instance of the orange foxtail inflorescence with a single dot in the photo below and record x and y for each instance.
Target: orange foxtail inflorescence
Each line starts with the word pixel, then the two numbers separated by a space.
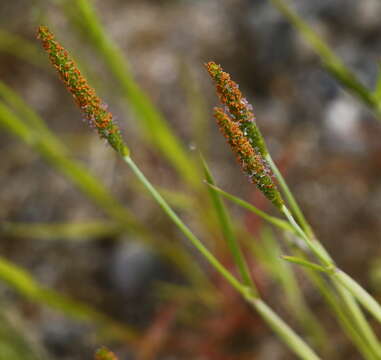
pixel 236 106
pixel 84 95
pixel 252 162
pixel 237 122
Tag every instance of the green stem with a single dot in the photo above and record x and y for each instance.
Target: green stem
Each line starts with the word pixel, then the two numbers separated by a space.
pixel 184 229
pixel 342 315
pixel 284 331
pixel 295 343
pixel 289 196
pixel 359 293
pixel 268 251
pixel 314 246
pixel 305 263
pixel 359 319
pixel 343 282
pixel 227 229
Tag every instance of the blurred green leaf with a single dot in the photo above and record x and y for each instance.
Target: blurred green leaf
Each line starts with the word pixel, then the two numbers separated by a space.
pixel 16 341
pixel 197 107
pixel 331 62
pixel 85 230
pixel 377 92
pixel 55 153
pixel 21 281
pixel 21 48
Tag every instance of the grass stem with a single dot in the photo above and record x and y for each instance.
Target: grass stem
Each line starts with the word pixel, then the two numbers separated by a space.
pixel 294 342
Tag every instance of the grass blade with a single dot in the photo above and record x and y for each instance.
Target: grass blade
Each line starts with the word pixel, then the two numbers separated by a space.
pixel 281 224
pixel 284 331
pixel 227 229
pixel 21 48
pixel 40 231
pixel 353 310
pixel 362 296
pixel 294 342
pixel 23 283
pixel 51 149
pixel 197 108
pixel 25 111
pixel 377 91
pixel 331 62
pixel 16 342
pixel 184 229
pixel 342 314
pixel 268 251
pixel 305 263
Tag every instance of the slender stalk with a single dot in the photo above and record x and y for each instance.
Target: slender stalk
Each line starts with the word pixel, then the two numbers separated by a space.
pixel 184 229
pixel 227 229
pixel 340 279
pixel 342 282
pixel 359 293
pixel 236 121
pixel 289 196
pixel 305 263
pixel 98 116
pixel 283 330
pixel 314 246
pixel 359 320
pixel 294 342
pixel 268 251
pixel 341 313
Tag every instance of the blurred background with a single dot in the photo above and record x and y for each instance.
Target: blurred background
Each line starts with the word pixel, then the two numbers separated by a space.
pixel 325 141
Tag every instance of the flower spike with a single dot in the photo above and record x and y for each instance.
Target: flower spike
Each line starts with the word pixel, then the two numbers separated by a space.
pixel 252 162
pixel 84 95
pixel 237 106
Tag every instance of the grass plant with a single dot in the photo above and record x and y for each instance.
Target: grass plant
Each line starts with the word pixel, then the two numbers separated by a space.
pixel 298 245
pixel 101 119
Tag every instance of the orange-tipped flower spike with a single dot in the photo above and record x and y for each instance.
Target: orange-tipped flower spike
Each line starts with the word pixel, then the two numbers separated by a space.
pixel 237 106
pixel 84 95
pixel 252 162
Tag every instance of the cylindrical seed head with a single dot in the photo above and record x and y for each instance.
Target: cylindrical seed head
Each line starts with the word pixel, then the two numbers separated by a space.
pixel 252 162
pixel 84 95
pixel 237 106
